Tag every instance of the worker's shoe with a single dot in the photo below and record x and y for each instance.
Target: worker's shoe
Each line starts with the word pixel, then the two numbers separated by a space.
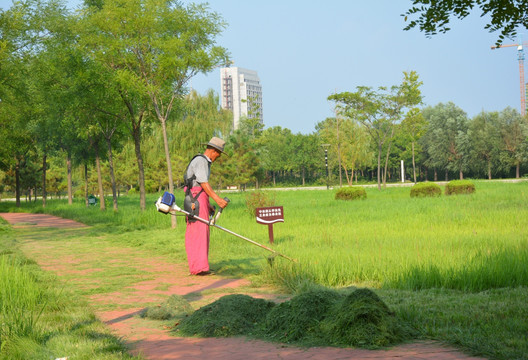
pixel 205 273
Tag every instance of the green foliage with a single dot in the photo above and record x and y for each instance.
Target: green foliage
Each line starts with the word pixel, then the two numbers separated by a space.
pixel 425 190
pixel 351 193
pixel 446 138
pixel 175 307
pixel 228 316
pixel 434 17
pixel 457 187
pixel 378 111
pixel 354 144
pixel 257 199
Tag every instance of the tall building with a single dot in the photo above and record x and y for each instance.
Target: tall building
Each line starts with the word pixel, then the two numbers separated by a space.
pixel 241 93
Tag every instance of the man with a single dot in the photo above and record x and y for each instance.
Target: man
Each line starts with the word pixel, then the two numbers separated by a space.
pixel 197 233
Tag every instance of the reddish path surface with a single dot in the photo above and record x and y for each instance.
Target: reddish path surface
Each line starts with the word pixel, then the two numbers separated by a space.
pixel 39 220
pixel 148 339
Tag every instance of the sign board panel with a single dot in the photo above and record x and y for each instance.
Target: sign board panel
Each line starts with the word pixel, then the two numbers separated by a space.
pixel 269 216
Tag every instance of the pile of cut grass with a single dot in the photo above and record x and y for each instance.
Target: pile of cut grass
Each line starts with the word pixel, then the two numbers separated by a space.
pixel 299 318
pixel 176 307
pixel 318 317
pixel 228 316
pixel 362 319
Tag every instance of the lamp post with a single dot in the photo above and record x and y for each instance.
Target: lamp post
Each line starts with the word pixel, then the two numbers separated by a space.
pixel 325 147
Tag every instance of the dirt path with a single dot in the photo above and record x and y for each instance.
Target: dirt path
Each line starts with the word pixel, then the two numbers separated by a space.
pixel 135 279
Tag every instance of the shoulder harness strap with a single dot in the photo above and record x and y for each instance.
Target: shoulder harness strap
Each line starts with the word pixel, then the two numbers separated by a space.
pixel 188 182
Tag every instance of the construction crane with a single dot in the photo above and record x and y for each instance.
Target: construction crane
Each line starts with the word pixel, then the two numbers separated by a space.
pixel 520 57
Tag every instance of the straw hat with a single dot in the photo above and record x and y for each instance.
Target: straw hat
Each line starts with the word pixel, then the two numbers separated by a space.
pixel 217 143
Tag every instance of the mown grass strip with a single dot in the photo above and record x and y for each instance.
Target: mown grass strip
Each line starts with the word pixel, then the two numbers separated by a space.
pixel 44 319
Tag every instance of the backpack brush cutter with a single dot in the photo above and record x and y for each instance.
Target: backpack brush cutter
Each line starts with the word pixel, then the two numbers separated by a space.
pixel 167 205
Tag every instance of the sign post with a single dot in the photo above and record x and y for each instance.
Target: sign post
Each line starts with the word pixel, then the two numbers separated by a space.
pixel 269 216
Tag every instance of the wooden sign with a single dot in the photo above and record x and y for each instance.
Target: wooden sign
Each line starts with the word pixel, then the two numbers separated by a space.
pixel 269 216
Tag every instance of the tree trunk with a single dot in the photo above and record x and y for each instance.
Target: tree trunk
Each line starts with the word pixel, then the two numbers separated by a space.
pixel 348 180
pixel 379 166
pixel 70 192
pixel 518 170
pixel 489 170
pixel 44 169
pixel 86 184
pixel 414 164
pixel 17 181
pixel 461 175
pixel 435 175
pixel 112 177
pixel 339 153
pixel 99 178
pixel 386 165
pixel 303 176
pixel 137 146
pixel 446 175
pixel 169 165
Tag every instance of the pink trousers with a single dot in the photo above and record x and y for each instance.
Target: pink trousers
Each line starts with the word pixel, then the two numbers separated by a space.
pixel 197 236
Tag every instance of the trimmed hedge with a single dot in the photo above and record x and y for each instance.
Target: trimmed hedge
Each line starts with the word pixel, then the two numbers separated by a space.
pixel 456 187
pixel 425 190
pixel 351 193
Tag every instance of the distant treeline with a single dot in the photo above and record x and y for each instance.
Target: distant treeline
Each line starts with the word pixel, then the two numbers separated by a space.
pixel 96 102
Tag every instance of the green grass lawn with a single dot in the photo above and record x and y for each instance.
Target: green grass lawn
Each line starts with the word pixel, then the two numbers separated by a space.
pixel 453 267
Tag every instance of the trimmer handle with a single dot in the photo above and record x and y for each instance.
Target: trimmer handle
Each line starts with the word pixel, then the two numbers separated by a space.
pixel 227 201
pixel 220 211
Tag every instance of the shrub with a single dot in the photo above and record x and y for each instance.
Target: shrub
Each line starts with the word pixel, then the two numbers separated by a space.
pixel 456 187
pixel 351 193
pixel 257 199
pixel 425 190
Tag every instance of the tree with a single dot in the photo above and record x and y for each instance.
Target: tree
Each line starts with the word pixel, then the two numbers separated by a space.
pixel 378 111
pixel 273 144
pixel 242 163
pixel 304 151
pixel 434 16
pixel 413 125
pixel 353 141
pixel 514 133
pixel 485 136
pixel 448 143
pixel 155 47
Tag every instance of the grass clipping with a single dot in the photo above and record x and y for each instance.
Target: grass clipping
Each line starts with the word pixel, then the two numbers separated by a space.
pixel 175 307
pixel 319 317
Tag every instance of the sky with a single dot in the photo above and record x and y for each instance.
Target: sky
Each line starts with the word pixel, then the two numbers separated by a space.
pixel 305 51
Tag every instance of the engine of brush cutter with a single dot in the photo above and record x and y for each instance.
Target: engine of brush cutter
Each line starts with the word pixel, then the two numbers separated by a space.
pixel 166 203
